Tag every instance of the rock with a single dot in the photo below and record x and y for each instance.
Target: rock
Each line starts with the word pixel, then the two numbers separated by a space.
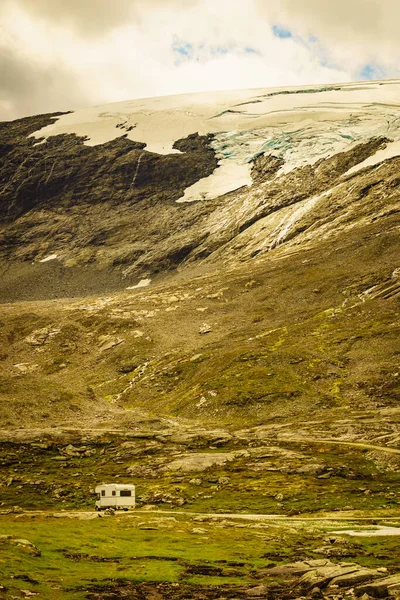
pixel 205 328
pixel 39 337
pixel 106 342
pixel 334 552
pixel 316 593
pixel 311 469
pixel 87 517
pixel 224 480
pixel 199 531
pixel 25 368
pixel 322 576
pixel 23 544
pixel 196 481
pixel 361 576
pixel 296 569
pixel 259 591
pixel 109 512
pixel 137 333
pixel 71 451
pixel 279 497
pixel 389 586
pixel 201 461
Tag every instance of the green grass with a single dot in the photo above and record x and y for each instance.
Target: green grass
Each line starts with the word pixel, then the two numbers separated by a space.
pixel 76 554
pixel 140 555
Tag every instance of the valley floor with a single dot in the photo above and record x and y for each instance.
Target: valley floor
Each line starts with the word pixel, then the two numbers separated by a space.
pixel 177 555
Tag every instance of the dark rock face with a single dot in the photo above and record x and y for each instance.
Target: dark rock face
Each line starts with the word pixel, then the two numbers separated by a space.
pixel 63 172
pixel 84 199
pixel 265 167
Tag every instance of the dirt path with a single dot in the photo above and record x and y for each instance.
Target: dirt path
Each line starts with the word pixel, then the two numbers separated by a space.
pixel 339 443
pixel 244 516
pixel 252 517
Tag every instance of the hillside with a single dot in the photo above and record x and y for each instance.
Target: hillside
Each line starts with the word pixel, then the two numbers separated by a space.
pixel 200 294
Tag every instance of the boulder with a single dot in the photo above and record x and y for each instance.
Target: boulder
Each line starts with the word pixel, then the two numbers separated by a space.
pixel 322 576
pixel 196 481
pixel 224 480
pixel 311 469
pixel 352 579
pixel 198 462
pixel 39 337
pixel 296 569
pixel 389 586
pixel 21 543
pixel 260 591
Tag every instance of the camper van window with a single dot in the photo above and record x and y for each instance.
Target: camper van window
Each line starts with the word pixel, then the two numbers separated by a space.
pixel 98 496
pixel 125 493
pixel 113 492
pixel 103 492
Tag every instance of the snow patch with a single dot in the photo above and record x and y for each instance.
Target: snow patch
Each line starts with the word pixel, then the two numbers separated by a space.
pixel 142 283
pixel 48 258
pixel 219 182
pixel 391 150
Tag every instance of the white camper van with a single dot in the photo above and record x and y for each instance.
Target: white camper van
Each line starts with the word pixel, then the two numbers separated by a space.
pixel 115 495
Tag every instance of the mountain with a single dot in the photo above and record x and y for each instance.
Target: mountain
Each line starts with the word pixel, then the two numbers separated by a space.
pixel 204 290
pixel 268 217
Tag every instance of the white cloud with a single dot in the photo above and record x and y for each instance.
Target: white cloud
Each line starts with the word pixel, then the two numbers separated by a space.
pixel 78 53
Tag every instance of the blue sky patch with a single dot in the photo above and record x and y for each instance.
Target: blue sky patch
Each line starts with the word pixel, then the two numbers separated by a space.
pixel 185 51
pixel 370 72
pixel 249 50
pixel 281 32
pixel 219 50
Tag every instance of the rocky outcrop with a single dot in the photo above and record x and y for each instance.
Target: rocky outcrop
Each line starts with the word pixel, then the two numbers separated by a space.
pixel 197 463
pixel 324 575
pixel 23 544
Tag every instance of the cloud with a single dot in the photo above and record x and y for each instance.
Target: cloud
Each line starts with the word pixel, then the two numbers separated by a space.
pixel 354 31
pixel 29 88
pixel 90 17
pixel 59 54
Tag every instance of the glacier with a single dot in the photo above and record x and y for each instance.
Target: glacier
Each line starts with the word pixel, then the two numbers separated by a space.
pixel 300 125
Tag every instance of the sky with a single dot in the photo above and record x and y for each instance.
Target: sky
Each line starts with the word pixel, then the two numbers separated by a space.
pixel 58 55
